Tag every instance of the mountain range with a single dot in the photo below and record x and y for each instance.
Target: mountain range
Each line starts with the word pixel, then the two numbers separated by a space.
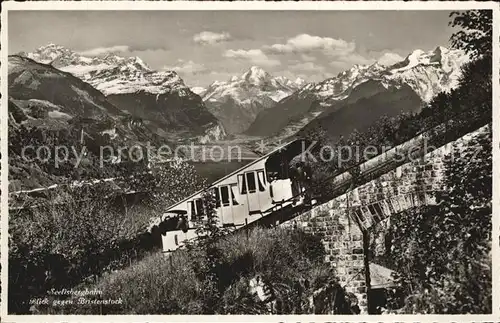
pixel 49 107
pixel 363 93
pixel 256 103
pixel 122 101
pixel 43 96
pixel 160 98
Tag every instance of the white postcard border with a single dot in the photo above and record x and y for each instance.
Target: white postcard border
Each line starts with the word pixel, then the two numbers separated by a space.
pixel 248 5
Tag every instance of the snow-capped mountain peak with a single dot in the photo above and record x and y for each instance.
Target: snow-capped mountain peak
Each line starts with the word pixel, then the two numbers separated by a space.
pixel 160 98
pixel 427 73
pixel 237 101
pixel 415 58
pixel 140 63
pixel 198 90
pixel 300 82
pixel 440 56
pixel 255 84
pixel 256 75
pixel 48 53
pixel 340 86
pixel 110 73
pixel 377 66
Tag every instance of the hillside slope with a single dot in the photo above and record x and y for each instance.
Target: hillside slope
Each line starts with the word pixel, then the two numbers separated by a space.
pixel 50 108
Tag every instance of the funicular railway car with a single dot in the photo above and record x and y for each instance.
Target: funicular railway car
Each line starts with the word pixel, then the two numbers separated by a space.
pixel 242 197
pixel 271 183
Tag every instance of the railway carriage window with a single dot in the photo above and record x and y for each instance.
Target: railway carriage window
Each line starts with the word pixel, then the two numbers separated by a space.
pixel 199 207
pixel 390 206
pixel 262 180
pixel 232 188
pixel 379 210
pixel 224 192
pixel 251 182
pixel 395 204
pixel 360 215
pixel 192 208
pixel 242 184
pixel 217 197
pixel 366 212
pixel 374 213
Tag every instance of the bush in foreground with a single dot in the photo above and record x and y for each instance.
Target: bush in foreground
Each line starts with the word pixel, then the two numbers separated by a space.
pixel 444 251
pixel 261 271
pixel 78 232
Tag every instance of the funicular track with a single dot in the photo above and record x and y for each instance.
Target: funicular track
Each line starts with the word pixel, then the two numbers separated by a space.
pixel 344 180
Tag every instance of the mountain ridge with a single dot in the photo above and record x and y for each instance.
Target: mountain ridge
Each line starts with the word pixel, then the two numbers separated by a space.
pixel 426 73
pixel 161 98
pixel 110 73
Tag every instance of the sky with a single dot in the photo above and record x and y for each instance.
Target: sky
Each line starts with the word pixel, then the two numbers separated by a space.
pixel 205 46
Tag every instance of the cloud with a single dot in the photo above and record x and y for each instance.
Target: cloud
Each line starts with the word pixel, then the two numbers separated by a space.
pixel 148 47
pixel 307 58
pixel 256 56
pixel 346 62
pixel 105 50
pixel 305 43
pixel 389 59
pixel 308 66
pixel 356 58
pixel 211 38
pixel 188 67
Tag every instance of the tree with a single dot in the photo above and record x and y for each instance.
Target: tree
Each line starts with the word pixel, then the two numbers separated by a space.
pixel 58 242
pixel 443 252
pixel 476 34
pixel 166 184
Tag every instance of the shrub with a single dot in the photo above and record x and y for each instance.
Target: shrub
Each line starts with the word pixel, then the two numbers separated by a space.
pixel 72 233
pixel 57 243
pixel 166 185
pixel 221 279
pixel 444 251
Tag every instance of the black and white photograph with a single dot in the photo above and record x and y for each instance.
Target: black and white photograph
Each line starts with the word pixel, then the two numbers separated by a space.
pixel 308 159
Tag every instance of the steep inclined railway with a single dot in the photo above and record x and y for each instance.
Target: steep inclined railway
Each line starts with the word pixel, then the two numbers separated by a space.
pixel 276 201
